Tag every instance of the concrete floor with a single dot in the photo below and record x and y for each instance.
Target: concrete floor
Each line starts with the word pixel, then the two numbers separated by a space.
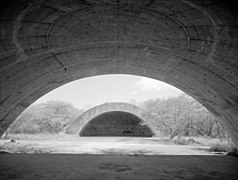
pixel 106 158
pixel 116 167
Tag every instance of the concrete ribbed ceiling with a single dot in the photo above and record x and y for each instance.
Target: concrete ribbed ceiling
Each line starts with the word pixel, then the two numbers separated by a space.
pixel 191 44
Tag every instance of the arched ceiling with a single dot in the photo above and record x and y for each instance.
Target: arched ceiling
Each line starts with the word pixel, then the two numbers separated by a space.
pixel 187 43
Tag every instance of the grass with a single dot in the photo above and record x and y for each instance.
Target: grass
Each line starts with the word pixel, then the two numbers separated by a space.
pixel 214 144
pixel 222 147
pixel 227 147
pixel 208 141
pixel 182 140
pixel 15 147
pixel 37 136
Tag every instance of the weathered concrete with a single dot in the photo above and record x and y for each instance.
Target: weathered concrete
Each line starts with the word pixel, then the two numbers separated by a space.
pixel 120 167
pixel 131 119
pixel 191 44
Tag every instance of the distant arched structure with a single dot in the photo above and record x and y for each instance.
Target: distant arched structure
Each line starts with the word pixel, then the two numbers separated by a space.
pixel 111 119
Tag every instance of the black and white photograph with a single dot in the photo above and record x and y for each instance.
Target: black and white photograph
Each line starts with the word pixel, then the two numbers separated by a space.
pixel 118 90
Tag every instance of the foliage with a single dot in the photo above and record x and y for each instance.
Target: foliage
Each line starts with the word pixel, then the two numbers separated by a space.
pixel 223 147
pixel 173 117
pixel 181 116
pixel 50 117
pixel 182 140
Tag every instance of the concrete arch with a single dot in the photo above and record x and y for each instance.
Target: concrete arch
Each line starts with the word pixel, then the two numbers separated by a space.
pixel 189 44
pixel 80 122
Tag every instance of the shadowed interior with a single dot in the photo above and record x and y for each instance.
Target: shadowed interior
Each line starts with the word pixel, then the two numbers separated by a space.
pixel 116 123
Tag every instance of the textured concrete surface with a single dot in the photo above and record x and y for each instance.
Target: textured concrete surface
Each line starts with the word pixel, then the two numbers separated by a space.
pixel 116 123
pixel 117 167
pixel 81 122
pixel 191 44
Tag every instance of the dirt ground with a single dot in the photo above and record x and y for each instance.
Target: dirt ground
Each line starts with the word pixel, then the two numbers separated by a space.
pixel 116 167
pixel 102 145
pixel 111 158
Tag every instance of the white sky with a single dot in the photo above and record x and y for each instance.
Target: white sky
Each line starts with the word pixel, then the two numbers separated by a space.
pixel 92 91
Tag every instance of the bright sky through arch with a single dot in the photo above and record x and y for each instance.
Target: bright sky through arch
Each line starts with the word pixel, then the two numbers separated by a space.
pixel 96 90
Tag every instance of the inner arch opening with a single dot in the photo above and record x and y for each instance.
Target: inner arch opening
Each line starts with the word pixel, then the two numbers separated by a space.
pixel 116 123
pixel 169 112
pixel 187 43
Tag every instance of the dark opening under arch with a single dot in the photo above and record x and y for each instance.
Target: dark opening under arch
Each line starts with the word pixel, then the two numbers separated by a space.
pixel 116 123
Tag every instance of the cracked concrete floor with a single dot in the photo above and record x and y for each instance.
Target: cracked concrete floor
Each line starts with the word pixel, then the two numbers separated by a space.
pixel 116 167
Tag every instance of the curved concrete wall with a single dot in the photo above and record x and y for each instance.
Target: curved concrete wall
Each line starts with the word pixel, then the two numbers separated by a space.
pixel 191 44
pixel 76 126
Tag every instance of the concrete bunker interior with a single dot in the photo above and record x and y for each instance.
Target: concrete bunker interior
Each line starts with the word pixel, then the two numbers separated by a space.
pixel 189 44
